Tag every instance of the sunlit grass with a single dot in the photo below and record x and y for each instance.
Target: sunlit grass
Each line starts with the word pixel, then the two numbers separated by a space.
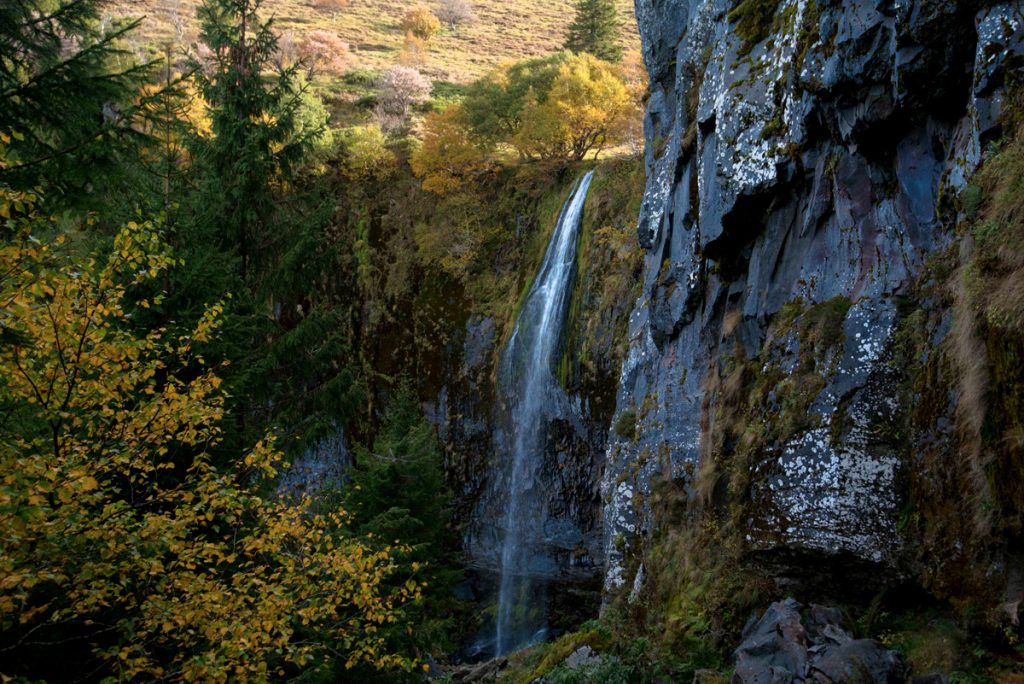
pixel 505 30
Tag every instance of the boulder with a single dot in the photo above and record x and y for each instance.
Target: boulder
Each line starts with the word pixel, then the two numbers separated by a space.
pixel 783 646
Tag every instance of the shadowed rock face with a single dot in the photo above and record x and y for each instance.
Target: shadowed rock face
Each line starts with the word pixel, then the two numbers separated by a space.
pixel 788 172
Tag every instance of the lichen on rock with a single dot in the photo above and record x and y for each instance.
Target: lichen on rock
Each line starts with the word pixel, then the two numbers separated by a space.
pixel 828 137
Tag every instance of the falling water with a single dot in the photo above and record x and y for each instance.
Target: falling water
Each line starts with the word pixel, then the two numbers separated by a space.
pixel 530 389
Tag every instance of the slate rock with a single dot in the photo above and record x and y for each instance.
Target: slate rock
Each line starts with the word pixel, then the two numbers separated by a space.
pixel 781 647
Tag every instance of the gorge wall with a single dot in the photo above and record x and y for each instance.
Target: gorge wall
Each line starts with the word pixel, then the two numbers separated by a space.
pixel 806 161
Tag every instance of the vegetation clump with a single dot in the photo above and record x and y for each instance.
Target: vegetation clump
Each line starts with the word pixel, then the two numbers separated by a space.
pixel 625 425
pixel 421 22
pixel 455 13
pixel 121 536
pixel 559 108
pixel 753 20
pixel 325 53
pixel 400 87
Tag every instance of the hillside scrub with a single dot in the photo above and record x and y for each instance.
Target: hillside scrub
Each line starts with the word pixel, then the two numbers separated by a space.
pixel 563 107
pixel 421 22
pixel 455 13
pixel 512 31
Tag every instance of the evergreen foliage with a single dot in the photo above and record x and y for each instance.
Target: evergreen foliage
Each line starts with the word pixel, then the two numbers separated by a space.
pixel 252 227
pixel 595 30
pixel 69 95
pixel 254 139
pixel 399 494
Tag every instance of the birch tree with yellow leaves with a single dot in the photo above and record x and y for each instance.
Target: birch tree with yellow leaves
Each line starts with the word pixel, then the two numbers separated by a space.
pixel 121 542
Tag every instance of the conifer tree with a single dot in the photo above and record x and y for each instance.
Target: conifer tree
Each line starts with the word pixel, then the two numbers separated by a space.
pixel 68 97
pixel 253 118
pixel 398 492
pixel 595 30
pixel 253 228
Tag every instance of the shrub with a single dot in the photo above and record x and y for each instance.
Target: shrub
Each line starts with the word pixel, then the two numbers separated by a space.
pixel 450 158
pixel 421 22
pixel 324 52
pixel 455 13
pixel 330 5
pixel 625 425
pixel 414 51
pixel 400 87
pixel 366 155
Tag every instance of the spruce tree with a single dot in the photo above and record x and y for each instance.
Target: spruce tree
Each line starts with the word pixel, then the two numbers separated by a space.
pixel 69 96
pixel 595 30
pixel 251 231
pixel 398 492
pixel 254 144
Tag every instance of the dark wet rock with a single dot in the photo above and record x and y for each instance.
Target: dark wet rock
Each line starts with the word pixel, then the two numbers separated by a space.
pixel 810 171
pixel 781 647
pixel 774 648
pixel 480 672
pixel 933 678
pixel 323 466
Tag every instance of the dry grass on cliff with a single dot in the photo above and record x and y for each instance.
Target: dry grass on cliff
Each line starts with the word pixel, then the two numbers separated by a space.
pixel 504 30
pixel 988 334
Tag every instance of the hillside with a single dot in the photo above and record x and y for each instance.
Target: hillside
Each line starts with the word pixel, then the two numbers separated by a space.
pixel 503 31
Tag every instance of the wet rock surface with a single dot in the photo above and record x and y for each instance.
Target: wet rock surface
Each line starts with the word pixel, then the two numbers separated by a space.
pixel 323 466
pixel 786 171
pixel 783 647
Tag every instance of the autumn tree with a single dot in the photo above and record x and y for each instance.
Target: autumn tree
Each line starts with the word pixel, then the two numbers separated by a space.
pixel 559 107
pixel 365 154
pixel 494 104
pixel 455 13
pixel 121 542
pixel 324 52
pixel 421 22
pixel 399 88
pixel 587 109
pixel 450 157
pixel 595 30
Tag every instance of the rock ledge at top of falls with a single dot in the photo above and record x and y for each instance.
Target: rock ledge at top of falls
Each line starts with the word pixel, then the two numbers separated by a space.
pixel 802 170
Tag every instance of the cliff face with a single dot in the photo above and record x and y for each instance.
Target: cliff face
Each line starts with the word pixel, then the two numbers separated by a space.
pixel 471 410
pixel 805 160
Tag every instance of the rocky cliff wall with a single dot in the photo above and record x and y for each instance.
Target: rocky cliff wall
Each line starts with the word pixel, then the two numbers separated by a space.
pixel 804 162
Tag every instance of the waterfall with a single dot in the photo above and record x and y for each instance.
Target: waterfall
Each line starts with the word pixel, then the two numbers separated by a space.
pixel 529 388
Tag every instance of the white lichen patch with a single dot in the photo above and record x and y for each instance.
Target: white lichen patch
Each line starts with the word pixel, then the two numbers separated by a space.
pixel 834 498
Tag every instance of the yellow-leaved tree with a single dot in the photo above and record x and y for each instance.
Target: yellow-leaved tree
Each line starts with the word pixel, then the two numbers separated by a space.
pixel 451 157
pixel 119 538
pixel 588 108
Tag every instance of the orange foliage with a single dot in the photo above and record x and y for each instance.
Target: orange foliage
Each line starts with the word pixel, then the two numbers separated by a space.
pixel 449 158
pixel 324 52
